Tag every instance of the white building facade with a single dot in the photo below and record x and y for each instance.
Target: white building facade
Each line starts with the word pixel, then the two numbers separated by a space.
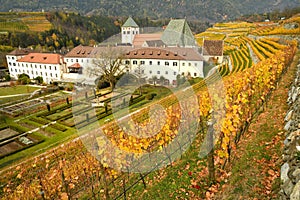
pixel 129 30
pixel 12 61
pixel 165 62
pixel 48 66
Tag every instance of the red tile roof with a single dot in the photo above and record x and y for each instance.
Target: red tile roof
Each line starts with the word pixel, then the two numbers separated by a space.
pixel 168 53
pixel 80 52
pixel 21 52
pixel 139 39
pixel 75 65
pixel 43 58
pixel 213 48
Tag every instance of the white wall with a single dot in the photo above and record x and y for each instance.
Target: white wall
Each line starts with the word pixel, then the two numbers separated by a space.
pixel 12 65
pixel 159 68
pixel 84 62
pixel 128 34
pixel 220 58
pixel 49 72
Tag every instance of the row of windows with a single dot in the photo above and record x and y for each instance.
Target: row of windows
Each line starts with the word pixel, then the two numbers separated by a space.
pixel 135 62
pixel 36 73
pixel 11 57
pixel 158 72
pixel 166 72
pixel 128 32
pixel 11 64
pixel 77 60
pixel 35 66
pixel 150 72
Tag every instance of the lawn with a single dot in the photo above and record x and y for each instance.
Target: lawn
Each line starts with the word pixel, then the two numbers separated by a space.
pixel 49 142
pixel 19 89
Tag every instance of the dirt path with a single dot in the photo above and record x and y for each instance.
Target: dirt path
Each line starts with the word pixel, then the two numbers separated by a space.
pixel 255 169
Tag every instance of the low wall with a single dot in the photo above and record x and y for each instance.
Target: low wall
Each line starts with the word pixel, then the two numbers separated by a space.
pixel 290 170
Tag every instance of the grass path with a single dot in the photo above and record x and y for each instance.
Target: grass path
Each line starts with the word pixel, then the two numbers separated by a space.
pixel 20 89
pixel 255 169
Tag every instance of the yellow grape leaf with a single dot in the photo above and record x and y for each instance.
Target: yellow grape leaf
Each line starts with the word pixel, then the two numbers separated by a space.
pixel 71 185
pixel 19 176
pixel 64 196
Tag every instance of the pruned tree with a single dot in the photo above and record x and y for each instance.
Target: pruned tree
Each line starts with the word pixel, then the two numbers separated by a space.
pixel 39 79
pixel 162 80
pixel 23 79
pixel 154 78
pixel 140 76
pixel 108 65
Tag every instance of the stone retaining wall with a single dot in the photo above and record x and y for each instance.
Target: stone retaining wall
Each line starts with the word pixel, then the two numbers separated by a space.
pixel 290 170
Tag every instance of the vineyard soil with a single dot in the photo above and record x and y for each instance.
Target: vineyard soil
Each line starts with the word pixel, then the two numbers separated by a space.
pixel 256 164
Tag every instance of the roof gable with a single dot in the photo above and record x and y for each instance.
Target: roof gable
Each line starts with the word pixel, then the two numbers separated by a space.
pixel 21 52
pixel 80 52
pixel 154 43
pixel 213 47
pixel 43 58
pixel 140 39
pixel 168 53
pixel 178 33
pixel 130 23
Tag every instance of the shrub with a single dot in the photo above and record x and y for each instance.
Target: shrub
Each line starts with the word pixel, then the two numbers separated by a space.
pixel 39 79
pixel 39 120
pixel 23 79
pixel 150 96
pixel 7 77
pixel 58 127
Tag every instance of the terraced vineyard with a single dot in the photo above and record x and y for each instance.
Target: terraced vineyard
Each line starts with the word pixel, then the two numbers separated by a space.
pixel 71 172
pixel 15 22
pixel 247 43
pixel 286 27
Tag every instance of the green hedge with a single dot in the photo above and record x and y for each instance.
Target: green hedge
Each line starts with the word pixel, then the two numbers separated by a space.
pixel 136 100
pixel 24 147
pixel 39 120
pixel 19 129
pixel 58 127
pixel 54 110
pixel 3 126
pixel 100 95
pixel 150 96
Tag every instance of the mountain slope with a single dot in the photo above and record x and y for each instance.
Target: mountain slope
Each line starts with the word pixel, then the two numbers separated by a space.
pixel 211 10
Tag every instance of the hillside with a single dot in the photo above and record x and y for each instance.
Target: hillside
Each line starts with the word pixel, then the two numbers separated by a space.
pixel 37 28
pixel 259 53
pixel 51 31
pixel 208 10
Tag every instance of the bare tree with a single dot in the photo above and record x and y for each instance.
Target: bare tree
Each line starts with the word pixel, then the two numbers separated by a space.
pixel 162 80
pixel 139 73
pixel 154 78
pixel 108 64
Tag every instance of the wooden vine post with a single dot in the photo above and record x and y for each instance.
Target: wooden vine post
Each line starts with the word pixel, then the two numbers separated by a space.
pixel 210 156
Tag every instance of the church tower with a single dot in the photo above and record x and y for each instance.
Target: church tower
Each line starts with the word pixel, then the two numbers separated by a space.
pixel 129 30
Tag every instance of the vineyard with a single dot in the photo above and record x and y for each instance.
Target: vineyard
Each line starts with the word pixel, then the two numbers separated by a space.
pixel 15 22
pixel 246 44
pixel 155 148
pixel 286 27
pixel 71 171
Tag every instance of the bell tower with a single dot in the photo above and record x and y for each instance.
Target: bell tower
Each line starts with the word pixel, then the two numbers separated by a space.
pixel 129 30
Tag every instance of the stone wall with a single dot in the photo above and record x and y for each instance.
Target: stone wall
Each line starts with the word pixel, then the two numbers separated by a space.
pixel 290 170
